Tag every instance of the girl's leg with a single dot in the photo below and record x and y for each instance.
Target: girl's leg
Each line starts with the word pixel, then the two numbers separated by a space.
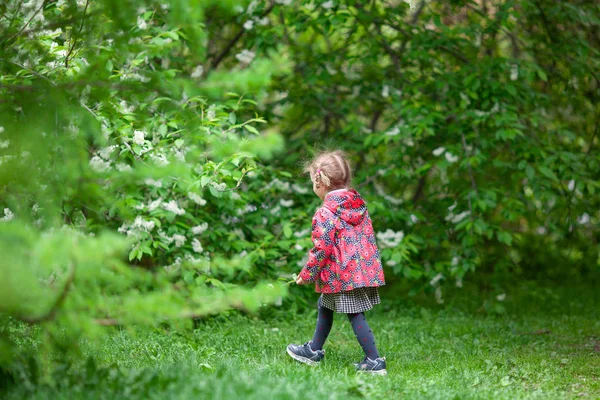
pixel 324 323
pixel 364 335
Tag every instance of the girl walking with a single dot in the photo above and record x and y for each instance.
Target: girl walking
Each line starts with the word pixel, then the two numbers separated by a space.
pixel 344 263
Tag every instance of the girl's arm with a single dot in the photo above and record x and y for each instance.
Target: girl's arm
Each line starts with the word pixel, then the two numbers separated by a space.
pixel 322 234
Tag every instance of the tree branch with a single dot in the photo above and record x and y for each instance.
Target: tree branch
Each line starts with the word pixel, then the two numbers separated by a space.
pixel 464 144
pixel 235 39
pixel 51 314
pixel 72 47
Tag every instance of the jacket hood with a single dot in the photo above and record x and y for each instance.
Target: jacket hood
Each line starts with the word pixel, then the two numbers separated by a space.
pixel 347 205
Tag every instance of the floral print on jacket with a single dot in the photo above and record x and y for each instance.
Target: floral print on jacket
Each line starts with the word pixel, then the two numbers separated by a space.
pixel 345 254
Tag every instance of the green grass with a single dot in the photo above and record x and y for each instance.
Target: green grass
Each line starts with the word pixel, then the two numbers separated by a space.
pixel 458 351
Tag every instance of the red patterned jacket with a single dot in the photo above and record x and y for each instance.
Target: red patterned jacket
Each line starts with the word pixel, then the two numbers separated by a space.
pixel 345 254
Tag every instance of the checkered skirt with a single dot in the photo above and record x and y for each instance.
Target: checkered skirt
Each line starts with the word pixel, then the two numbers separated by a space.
pixel 351 302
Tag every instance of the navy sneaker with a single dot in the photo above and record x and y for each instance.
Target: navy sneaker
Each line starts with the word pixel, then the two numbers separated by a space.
pixel 376 366
pixel 305 354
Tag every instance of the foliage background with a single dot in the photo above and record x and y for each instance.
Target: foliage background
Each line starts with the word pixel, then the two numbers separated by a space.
pixel 150 152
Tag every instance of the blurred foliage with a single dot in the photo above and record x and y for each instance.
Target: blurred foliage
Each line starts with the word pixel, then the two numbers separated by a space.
pixel 142 172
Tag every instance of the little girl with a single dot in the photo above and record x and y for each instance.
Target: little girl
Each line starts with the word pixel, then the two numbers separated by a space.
pixel 344 263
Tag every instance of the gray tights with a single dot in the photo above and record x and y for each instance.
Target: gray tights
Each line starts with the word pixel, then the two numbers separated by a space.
pixel 363 333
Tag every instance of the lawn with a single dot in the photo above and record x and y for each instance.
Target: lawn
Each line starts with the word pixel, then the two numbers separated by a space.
pixel 540 342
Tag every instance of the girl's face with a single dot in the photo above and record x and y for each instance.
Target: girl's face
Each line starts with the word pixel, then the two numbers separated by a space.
pixel 319 189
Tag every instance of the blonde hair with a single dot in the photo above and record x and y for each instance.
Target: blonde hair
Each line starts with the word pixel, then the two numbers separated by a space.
pixel 331 168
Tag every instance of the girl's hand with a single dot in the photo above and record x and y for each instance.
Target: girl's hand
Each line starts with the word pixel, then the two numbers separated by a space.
pixel 300 281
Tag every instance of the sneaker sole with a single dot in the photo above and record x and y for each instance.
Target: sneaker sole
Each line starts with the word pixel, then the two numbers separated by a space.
pixel 382 372
pixel 304 360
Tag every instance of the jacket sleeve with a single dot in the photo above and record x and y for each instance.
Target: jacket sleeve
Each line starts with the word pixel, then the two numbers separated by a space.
pixel 322 227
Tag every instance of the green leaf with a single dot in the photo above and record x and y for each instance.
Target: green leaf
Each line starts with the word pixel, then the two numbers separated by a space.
pixel 287 230
pixel 504 237
pixel 162 130
pixel 205 180
pixel 232 118
pixel 133 253
pixel 251 129
pixel 548 173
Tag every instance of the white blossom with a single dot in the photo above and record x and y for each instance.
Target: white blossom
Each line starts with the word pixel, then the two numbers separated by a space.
pixel 439 151
pixel 107 151
pixel 196 199
pixel 411 3
pixel 459 282
pixel 284 2
pixel 436 279
pixel 197 246
pixel 451 158
pixel 275 210
pixel 8 215
pixel 454 261
pixel 455 219
pixel 286 203
pixel 36 208
pixel 123 167
pixel 138 225
pixel 264 21
pixel 138 137
pixel 393 132
pixel 514 72
pixel 248 24
pixel 302 233
pixel 299 189
pixel 584 219
pixel 211 113
pixel 1 129
pixel 159 159
pixel 438 295
pixel 197 72
pixel 245 57
pixel 298 247
pixel 179 240
pixel 98 164
pixel 179 155
pixel 413 218
pixel 328 4
pixel 465 98
pixel 501 297
pixel 221 187
pixel 391 263
pixel 141 23
pixel 541 230
pixel 199 229
pixel 154 205
pixel 173 207
pixel 152 182
pixel 571 185
pixel 4 144
pixel 385 91
pixel 141 224
pixel 165 238
pixel 389 238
